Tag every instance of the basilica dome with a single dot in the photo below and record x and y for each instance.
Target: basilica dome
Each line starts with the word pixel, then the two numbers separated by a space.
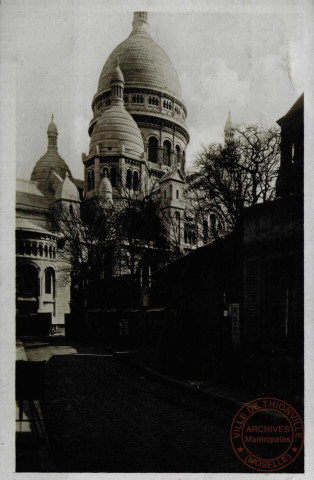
pixel 51 160
pixel 48 162
pixel 116 128
pixel 143 62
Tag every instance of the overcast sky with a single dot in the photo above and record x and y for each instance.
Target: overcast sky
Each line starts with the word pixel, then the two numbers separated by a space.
pixel 249 62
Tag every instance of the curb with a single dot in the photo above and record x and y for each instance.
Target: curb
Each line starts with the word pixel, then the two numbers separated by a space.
pixel 230 402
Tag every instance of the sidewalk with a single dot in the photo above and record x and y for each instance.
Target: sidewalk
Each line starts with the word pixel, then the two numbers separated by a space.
pixel 232 400
pixel 33 453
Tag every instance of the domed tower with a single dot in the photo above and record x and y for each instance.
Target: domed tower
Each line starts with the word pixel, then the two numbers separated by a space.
pixel 50 162
pixel 152 95
pixel 229 130
pixel 116 146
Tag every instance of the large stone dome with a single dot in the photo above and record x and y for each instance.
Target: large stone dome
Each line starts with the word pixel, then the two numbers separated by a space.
pixel 116 128
pixel 144 64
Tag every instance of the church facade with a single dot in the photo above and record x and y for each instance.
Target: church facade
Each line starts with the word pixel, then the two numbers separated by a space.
pixel 138 141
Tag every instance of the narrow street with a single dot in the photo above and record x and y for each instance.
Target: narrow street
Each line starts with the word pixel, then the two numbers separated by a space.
pixel 105 415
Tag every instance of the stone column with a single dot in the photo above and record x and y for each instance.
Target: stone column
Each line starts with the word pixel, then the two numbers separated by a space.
pixel 41 291
pixel 97 174
pixel 160 155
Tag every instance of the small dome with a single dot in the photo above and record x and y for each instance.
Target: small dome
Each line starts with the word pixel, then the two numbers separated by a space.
pixel 105 189
pixel 48 162
pixel 114 128
pixel 52 127
pixel 229 125
pixel 66 190
pixel 51 160
pixel 117 74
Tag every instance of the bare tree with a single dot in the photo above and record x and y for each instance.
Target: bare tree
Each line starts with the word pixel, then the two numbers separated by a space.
pixel 104 237
pixel 139 227
pixel 237 175
pixel 88 236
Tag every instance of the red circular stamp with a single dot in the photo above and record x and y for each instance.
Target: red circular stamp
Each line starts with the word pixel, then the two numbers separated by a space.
pixel 267 434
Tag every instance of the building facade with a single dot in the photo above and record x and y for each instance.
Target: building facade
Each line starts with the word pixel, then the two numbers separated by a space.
pixel 138 141
pixel 40 288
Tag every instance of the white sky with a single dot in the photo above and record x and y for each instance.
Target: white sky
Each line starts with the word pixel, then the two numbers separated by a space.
pixel 249 61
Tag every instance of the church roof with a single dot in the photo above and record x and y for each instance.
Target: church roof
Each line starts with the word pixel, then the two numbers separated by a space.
pixel 27 186
pixel 28 196
pixel 143 63
pixel 52 127
pixel 297 107
pixel 114 128
pixel 228 125
pixel 105 189
pixel 26 225
pixel 30 201
pixel 66 190
pixel 175 174
pixel 50 161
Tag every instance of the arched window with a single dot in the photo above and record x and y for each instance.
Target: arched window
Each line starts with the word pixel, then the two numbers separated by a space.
pixel 89 183
pixel 134 99
pixel 170 192
pixel 71 209
pixel 27 281
pixel 92 180
pixel 128 182
pixel 293 152
pixel 135 181
pixel 113 177
pixel 167 153
pixel 126 98
pixel 152 149
pixel 178 154
pixel 178 227
pixel 164 104
pixel 183 159
pixel 41 250
pixel 150 100
pixel 105 172
pixel 177 195
pixel 137 99
pixel 49 281
pixel 34 249
pixel 46 250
